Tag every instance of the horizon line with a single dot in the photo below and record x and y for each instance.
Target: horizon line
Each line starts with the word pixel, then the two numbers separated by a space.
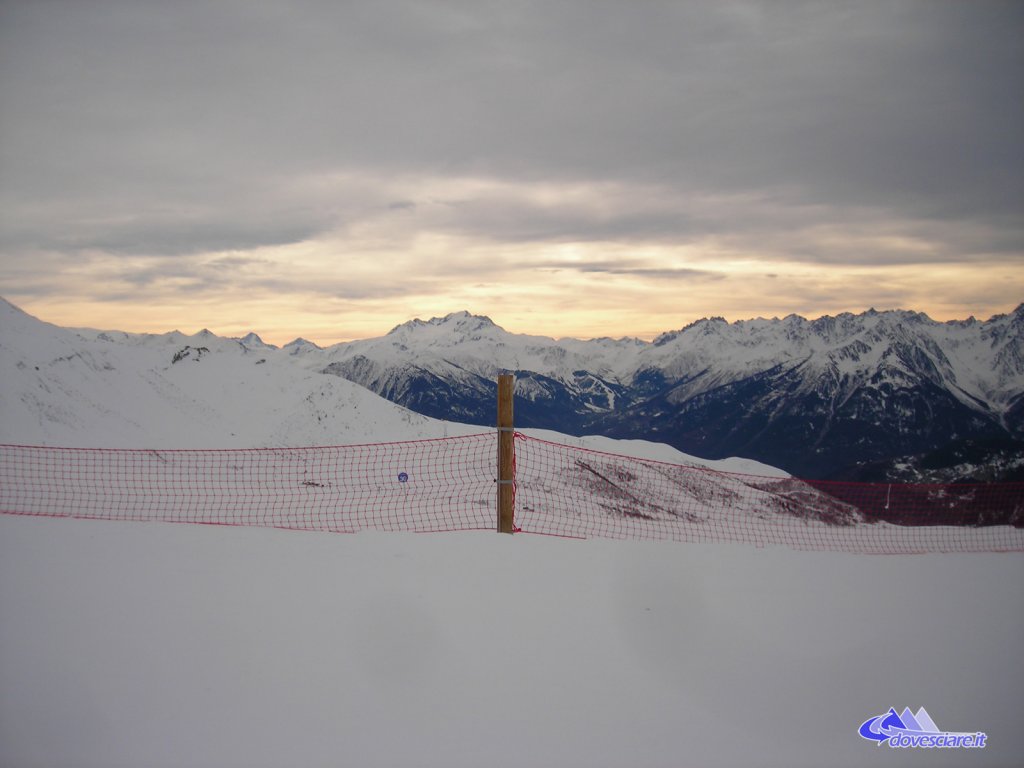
pixel 647 337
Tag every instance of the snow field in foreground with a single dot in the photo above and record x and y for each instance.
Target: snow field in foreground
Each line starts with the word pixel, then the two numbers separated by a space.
pixel 131 644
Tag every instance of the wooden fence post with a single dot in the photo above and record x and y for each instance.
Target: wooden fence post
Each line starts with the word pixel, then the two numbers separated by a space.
pixel 506 454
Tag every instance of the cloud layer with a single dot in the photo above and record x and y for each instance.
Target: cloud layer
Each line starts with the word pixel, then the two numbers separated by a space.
pixel 329 166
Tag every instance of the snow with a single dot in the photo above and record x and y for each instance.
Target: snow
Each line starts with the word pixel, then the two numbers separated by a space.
pixel 978 363
pixel 116 390
pixel 476 344
pixel 974 361
pixel 645 449
pixel 127 644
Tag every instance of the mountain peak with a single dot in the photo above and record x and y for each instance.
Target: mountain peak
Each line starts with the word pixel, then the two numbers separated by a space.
pixel 705 324
pixel 299 345
pixel 253 341
pixel 463 314
pixel 462 320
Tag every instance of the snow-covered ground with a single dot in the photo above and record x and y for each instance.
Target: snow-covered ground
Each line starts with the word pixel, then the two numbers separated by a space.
pixel 153 644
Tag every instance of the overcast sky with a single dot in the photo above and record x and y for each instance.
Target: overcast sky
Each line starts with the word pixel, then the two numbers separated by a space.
pixel 332 169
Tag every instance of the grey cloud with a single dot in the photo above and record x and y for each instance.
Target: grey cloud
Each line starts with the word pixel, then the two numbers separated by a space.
pixel 766 225
pixel 161 278
pixel 627 267
pixel 231 262
pixel 621 214
pixel 180 127
pixel 219 214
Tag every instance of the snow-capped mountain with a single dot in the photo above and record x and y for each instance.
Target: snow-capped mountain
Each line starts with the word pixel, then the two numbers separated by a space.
pixel 820 398
pixel 111 389
pixel 850 396
pixel 446 367
pixel 86 388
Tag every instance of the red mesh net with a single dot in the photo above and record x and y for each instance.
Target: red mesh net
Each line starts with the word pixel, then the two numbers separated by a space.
pixel 423 485
pixel 568 491
pixel 450 485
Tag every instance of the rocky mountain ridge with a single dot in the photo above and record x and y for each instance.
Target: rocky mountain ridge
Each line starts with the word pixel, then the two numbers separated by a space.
pixel 821 398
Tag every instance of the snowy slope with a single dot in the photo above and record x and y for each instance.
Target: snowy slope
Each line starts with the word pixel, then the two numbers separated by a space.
pixel 133 644
pixel 110 389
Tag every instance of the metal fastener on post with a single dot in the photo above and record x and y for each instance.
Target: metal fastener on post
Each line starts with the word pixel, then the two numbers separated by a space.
pixel 506 454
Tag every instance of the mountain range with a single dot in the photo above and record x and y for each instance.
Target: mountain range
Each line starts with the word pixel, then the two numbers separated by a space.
pixel 866 396
pixel 86 388
pixel 887 395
